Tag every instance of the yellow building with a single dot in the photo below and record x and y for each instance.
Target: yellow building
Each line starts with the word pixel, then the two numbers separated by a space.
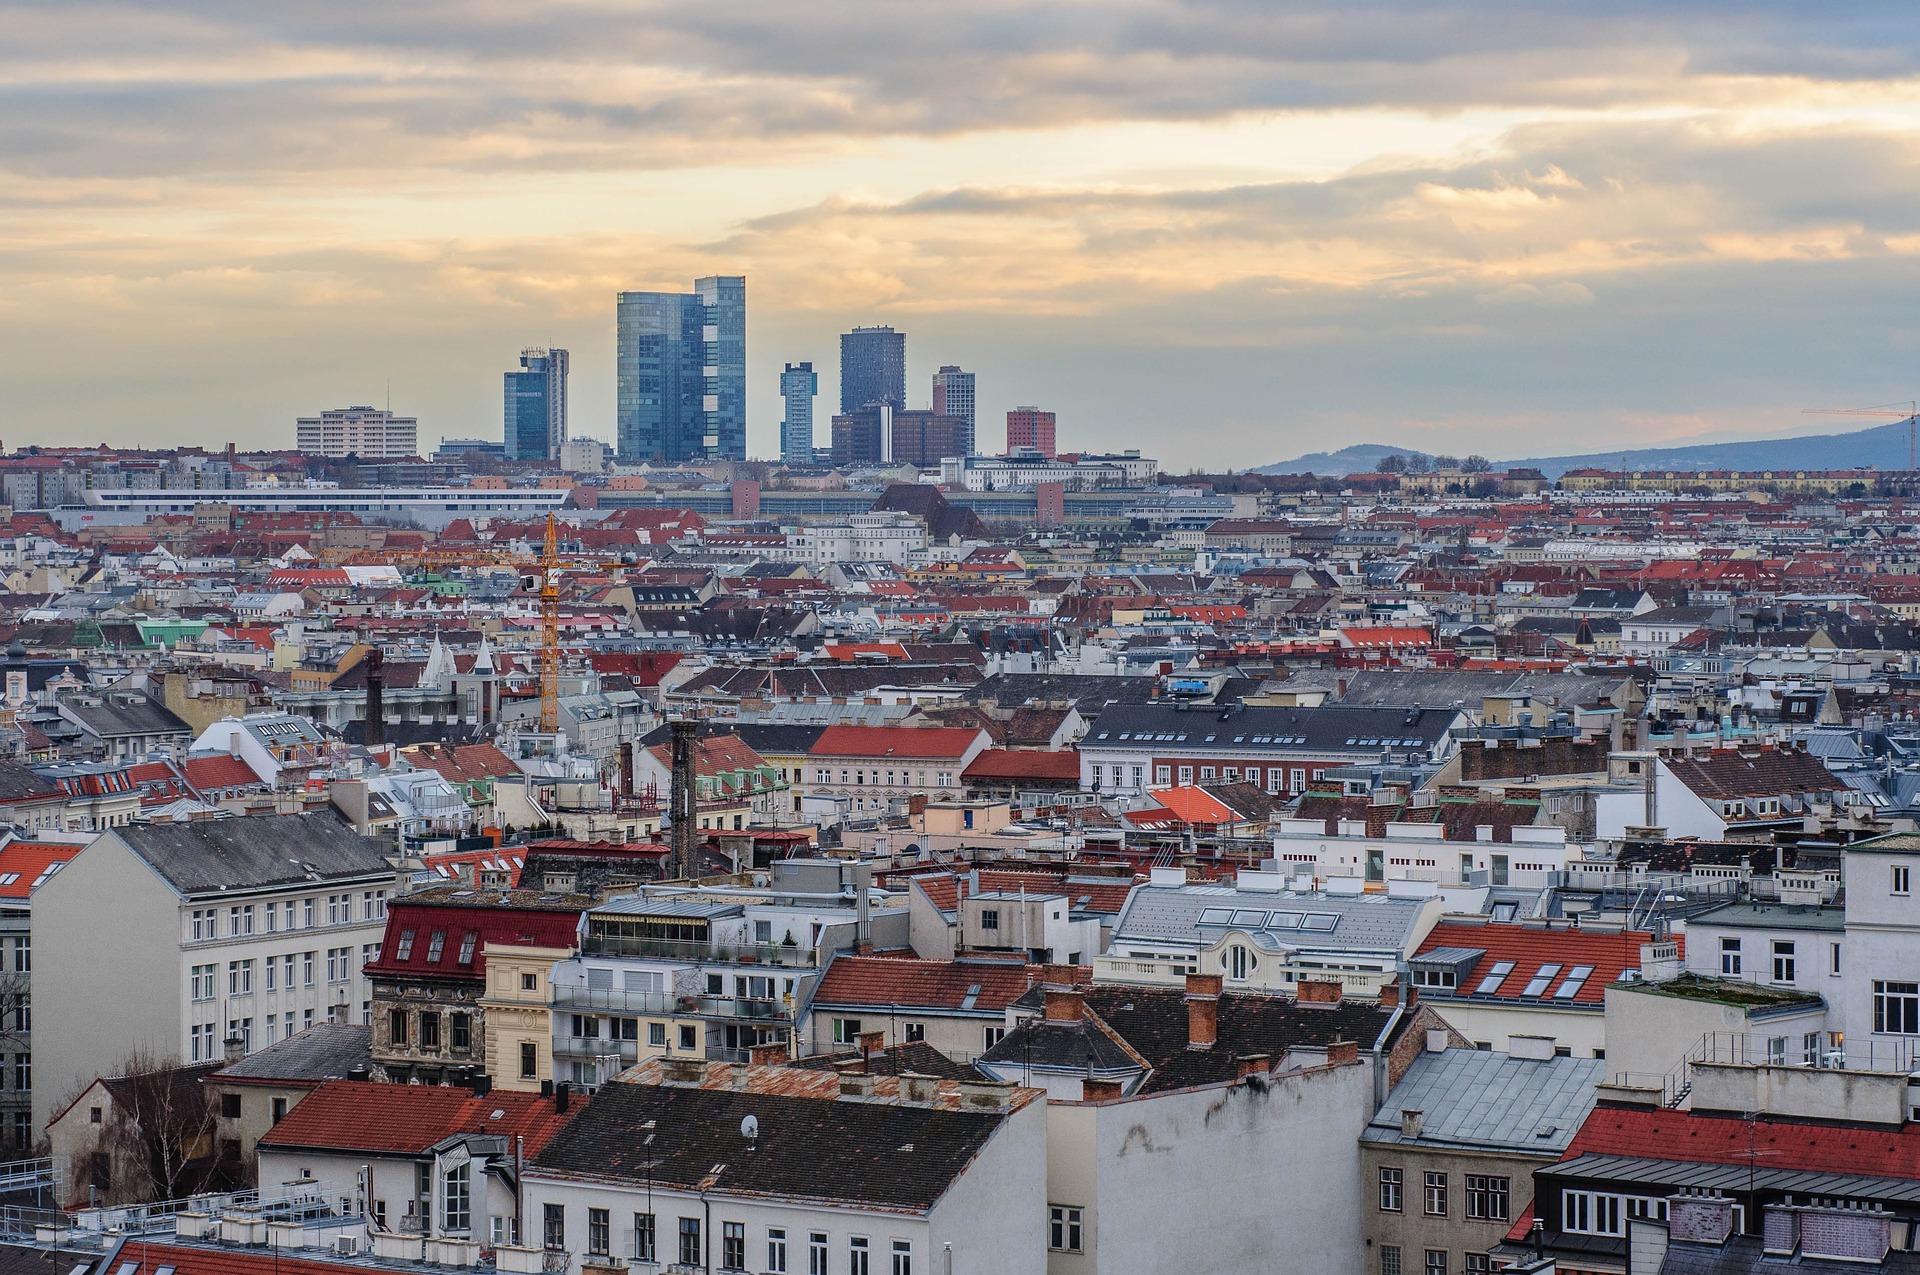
pixel 517 1006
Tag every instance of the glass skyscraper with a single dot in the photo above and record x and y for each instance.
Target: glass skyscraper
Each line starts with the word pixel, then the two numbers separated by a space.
pixel 536 405
pixel 799 383
pixel 953 396
pixel 681 372
pixel 873 368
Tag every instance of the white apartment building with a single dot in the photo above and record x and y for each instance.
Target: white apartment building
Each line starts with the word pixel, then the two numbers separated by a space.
pixel 366 432
pixel 786 1170
pixel 881 537
pixel 1878 1003
pixel 171 939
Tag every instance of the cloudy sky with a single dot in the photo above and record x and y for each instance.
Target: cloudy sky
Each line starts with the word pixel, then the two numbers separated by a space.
pixel 1223 232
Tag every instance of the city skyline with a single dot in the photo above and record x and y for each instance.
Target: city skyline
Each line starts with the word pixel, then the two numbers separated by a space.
pixel 1652 223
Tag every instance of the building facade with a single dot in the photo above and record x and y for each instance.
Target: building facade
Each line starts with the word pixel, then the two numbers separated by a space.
pixel 680 370
pixel 953 396
pixel 873 368
pixel 1031 427
pixel 799 384
pixel 365 432
pixel 536 405
pixel 927 438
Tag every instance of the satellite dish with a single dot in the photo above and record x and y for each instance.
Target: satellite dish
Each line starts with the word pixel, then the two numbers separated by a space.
pixel 750 1127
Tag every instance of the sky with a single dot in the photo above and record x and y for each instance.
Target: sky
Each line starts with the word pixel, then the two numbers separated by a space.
pixel 1225 232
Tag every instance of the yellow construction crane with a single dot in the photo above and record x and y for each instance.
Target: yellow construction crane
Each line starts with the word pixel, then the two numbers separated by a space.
pixel 1911 408
pixel 540 574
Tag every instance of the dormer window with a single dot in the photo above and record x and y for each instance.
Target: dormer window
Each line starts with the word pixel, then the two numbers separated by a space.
pixel 436 944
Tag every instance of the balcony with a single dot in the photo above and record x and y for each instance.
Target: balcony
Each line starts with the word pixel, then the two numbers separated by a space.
pixel 701 950
pixel 634 1004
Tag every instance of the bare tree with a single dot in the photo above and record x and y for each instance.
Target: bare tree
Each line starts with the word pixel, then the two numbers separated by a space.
pixel 1477 465
pixel 157 1139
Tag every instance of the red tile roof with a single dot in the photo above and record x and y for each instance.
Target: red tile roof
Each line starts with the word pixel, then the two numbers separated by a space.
pixel 907 983
pixel 1529 947
pixel 407 947
pixel 150 1257
pixel 217 772
pixel 27 861
pixel 1005 763
pixel 1663 1134
pixel 366 1116
pixel 930 742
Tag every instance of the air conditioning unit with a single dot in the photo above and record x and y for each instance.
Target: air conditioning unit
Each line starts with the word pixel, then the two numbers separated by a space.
pixel 346 1245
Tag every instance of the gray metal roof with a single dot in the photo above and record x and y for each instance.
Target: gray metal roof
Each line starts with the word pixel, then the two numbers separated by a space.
pixel 1774 916
pixel 701 909
pixel 1735 1177
pixel 324 1051
pixel 255 852
pixel 1475 1097
pixel 1196 915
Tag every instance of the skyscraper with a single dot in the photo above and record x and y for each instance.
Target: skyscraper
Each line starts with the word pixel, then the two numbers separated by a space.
pixel 873 368
pixel 680 367
pixel 953 396
pixel 798 385
pixel 536 406
pixel 1031 427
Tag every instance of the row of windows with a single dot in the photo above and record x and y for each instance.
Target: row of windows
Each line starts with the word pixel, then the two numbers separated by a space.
pixel 244 919
pixel 1487 1197
pixel 1434 1262
pixel 205 1044
pixel 846 1031
pixel 458 1033
pixel 294 969
pixel 1786 959
pixel 1276 777
pixel 690 1251
pixel 893 778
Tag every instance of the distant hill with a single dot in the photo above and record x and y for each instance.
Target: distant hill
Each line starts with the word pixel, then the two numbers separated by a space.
pixel 1357 459
pixel 1882 447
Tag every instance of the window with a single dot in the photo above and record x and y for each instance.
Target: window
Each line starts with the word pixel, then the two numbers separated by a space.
pixel 339 964
pixel 1436 1262
pixel 599 1232
pixel 239 978
pixel 1896 1008
pixel 1390 1259
pixel 456 1187
pixel 429 1031
pixel 397 1026
pixel 1163 775
pixel 989 918
pixel 436 943
pixel 468 942
pixel 776 1250
pixel 462 1031
pixel 529 1060
pixel 902 1257
pixel 1186 776
pixel 553 1226
pixel 857 1253
pixel 1589 1213
pixel 1240 960
pixel 23 956
pixel 334 908
pixel 202 1047
pixel 1434 1197
pixel 689 1037
pixel 1833 959
pixel 643 1237
pixel 1390 1190
pixel 816 1253
pixel 690 1241
pixel 271 969
pixel 1477 1264
pixel 1902 879
pixel 915 1032
pixel 993 1035
pixel 230 1106
pixel 203 982
pixel 306 967
pixel 657 1035
pixel 1538 985
pixel 1730 956
pixel 404 951
pixel 287 915
pixel 733 1246
pixel 277 1109
pixel 23 1066
pixel 203 924
pixel 306 913
pixel 846 1031
pixel 1063 1228
pixel 287 966
pixel 1486 1198
pixel 1784 964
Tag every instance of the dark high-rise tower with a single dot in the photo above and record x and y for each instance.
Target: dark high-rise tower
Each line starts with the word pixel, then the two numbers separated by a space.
pixel 536 406
pixel 681 372
pixel 873 368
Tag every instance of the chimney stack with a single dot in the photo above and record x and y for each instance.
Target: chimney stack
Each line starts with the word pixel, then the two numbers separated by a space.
pixel 376 733
pixel 1323 992
pixel 1203 1010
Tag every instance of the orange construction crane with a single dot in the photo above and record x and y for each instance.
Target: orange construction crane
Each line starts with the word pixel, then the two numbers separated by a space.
pixel 1911 407
pixel 542 575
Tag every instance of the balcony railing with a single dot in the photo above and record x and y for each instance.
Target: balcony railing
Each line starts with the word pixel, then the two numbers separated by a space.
pixel 701 950
pixel 609 1001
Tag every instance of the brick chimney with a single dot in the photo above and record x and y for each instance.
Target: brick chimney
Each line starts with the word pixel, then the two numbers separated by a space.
pixel 870 1045
pixel 1319 991
pixel 767 1055
pixel 1101 1090
pixel 1064 1005
pixel 1203 1010
pixel 1252 1065
pixel 1343 1053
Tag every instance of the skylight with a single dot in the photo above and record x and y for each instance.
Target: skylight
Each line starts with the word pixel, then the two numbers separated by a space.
pixel 1320 921
pixel 1538 985
pixel 1216 916
pixel 1495 976
pixel 1575 980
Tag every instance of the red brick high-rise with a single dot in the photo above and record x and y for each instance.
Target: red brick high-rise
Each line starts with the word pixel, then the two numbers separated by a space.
pixel 1031 427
